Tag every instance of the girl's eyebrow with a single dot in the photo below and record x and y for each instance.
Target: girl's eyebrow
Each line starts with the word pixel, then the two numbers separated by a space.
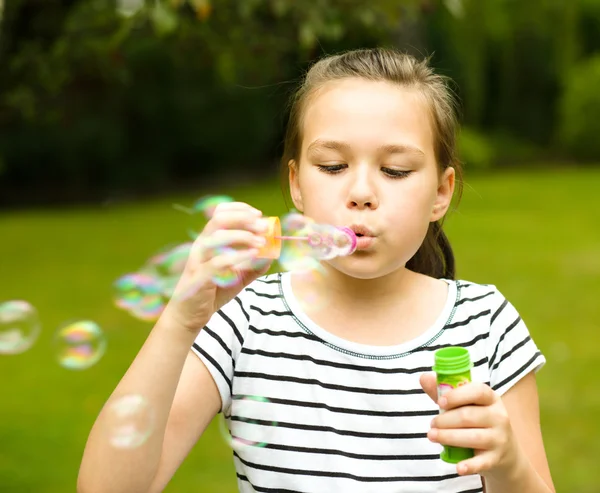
pixel 344 146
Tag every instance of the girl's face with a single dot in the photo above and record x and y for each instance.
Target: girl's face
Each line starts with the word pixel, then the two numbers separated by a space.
pixel 367 162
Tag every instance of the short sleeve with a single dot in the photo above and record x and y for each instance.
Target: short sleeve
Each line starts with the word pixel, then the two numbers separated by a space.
pixel 220 342
pixel 511 351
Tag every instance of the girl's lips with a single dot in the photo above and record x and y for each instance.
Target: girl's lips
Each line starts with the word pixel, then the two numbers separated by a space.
pixel 364 242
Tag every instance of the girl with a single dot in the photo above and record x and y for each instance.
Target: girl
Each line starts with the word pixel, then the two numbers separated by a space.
pixel 341 399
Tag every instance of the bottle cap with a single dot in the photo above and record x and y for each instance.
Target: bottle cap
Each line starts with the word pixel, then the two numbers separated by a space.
pixel 272 249
pixel 452 360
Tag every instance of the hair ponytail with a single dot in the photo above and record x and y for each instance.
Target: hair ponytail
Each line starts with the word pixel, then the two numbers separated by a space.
pixel 434 257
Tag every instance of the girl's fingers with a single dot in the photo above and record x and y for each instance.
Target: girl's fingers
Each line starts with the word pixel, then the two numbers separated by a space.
pixel 210 246
pixel 478 394
pixel 465 417
pixel 483 461
pixel 231 260
pixel 475 438
pixel 242 220
pixel 235 206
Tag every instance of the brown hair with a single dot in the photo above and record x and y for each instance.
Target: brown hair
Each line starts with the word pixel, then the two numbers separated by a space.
pixel 434 257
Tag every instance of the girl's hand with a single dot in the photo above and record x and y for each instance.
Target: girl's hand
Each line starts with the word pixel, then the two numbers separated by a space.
pixel 474 417
pixel 229 243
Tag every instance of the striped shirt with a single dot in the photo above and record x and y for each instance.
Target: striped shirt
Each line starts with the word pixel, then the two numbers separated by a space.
pixel 314 413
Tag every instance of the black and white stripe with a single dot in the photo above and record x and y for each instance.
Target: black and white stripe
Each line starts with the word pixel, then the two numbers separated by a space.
pixel 328 415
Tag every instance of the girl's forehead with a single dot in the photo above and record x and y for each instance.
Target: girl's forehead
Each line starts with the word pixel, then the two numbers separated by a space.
pixel 362 112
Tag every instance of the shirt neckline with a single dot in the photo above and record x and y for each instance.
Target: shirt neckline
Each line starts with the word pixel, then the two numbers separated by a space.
pixel 366 350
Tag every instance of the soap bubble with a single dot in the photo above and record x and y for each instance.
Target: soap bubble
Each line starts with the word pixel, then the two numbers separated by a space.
pixel 328 242
pixel 19 326
pixel 202 210
pixel 309 299
pixel 296 254
pixel 207 204
pixel 315 242
pixel 80 345
pixel 129 421
pixel 227 276
pixel 141 294
pixel 295 224
pixel 249 424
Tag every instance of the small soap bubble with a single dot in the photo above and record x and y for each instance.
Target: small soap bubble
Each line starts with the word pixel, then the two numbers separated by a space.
pixel 249 424
pixel 19 326
pixel 166 268
pixel 207 205
pixel 227 276
pixel 169 262
pixel 80 345
pixel 202 210
pixel 295 224
pixel 141 294
pixel 296 254
pixel 320 238
pixel 344 241
pixel 307 296
pixel 130 421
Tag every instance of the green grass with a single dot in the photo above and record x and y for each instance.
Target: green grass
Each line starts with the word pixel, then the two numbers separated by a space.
pixel 535 235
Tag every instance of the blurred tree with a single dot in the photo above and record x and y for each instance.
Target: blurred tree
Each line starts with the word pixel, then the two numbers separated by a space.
pixel 99 94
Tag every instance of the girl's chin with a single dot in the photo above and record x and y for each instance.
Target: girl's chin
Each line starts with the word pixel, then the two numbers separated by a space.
pixel 362 267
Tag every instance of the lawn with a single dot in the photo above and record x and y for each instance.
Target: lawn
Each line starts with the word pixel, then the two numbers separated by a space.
pixel 536 235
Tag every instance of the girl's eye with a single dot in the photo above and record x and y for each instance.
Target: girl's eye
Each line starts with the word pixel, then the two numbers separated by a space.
pixel 332 168
pixel 396 173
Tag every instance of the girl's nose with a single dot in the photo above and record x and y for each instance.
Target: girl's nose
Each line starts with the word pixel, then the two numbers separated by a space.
pixel 362 196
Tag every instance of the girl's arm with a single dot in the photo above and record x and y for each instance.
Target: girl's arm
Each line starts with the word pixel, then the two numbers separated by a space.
pixel 531 473
pixel 183 398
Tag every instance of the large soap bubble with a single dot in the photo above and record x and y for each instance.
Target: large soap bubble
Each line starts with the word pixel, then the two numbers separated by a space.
pixel 19 326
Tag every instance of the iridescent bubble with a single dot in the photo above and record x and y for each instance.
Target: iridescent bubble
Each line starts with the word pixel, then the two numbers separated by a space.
pixel 320 239
pixel 227 276
pixel 140 293
pixel 249 424
pixel 345 241
pixel 167 266
pixel 307 295
pixel 311 242
pixel 129 421
pixel 19 326
pixel 203 209
pixel 296 254
pixel 79 345
pixel 207 204
pixel 295 224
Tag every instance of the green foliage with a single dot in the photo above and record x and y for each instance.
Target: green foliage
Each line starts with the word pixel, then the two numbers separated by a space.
pixel 579 110
pixel 167 91
pixel 475 149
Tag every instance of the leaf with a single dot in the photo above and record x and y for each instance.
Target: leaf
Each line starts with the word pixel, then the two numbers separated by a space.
pixel 203 8
pixel 306 35
pixel 278 7
pixel 128 8
pixel 163 18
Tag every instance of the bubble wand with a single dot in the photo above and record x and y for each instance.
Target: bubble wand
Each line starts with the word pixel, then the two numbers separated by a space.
pixel 330 242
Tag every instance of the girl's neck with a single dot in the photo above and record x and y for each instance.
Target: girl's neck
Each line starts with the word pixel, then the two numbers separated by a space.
pixel 341 290
pixel 380 312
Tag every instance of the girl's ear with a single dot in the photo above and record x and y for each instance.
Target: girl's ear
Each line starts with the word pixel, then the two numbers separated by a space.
pixel 444 194
pixel 295 185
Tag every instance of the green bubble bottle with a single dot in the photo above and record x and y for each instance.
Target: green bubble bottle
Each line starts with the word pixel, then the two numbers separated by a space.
pixel 453 368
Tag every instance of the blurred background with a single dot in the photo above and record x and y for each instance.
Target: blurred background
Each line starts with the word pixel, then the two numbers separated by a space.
pixel 111 112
